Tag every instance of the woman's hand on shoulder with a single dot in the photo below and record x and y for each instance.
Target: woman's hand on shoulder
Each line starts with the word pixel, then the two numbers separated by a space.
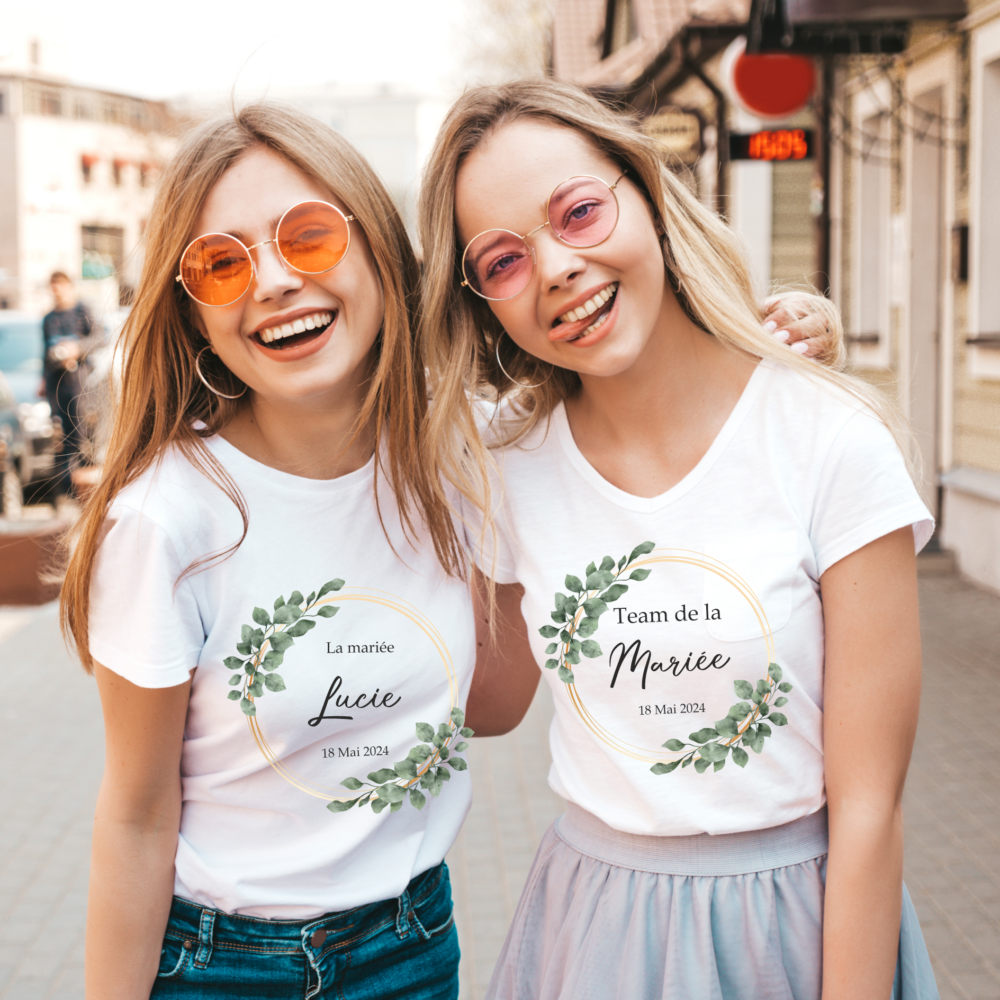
pixel 808 323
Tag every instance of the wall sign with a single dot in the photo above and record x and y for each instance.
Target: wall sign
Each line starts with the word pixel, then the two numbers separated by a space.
pixel 772 145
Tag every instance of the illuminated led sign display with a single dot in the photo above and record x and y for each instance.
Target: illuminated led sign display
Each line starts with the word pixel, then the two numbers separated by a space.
pixel 772 145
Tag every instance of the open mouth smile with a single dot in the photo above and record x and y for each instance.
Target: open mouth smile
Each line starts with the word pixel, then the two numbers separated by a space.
pixel 297 332
pixel 585 319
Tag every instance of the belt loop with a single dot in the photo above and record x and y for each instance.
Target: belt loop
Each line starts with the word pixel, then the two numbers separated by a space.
pixel 403 916
pixel 206 929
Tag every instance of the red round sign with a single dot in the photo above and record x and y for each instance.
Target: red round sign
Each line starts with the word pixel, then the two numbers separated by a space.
pixel 773 85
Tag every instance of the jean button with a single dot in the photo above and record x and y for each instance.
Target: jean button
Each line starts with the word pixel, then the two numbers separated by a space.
pixel 188 945
pixel 318 938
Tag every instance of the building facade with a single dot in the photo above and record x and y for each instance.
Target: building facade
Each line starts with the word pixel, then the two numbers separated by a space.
pixel 77 172
pixel 916 181
pixel 899 220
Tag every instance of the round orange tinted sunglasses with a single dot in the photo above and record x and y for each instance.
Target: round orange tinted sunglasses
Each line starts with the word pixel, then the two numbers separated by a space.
pixel 313 237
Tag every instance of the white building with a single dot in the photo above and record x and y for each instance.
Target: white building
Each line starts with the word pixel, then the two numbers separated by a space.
pixel 77 167
pixel 392 125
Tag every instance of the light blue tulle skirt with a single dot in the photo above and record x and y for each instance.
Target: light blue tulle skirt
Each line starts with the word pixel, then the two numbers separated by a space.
pixel 607 915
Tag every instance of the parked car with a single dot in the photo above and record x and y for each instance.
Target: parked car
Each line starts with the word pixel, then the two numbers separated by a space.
pixel 22 349
pixel 11 452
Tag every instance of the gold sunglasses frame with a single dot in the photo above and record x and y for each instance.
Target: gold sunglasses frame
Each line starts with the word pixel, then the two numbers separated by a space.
pixel 348 219
pixel 547 222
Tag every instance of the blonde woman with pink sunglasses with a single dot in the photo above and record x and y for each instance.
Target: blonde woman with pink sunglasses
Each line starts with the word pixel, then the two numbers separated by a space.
pixel 705 545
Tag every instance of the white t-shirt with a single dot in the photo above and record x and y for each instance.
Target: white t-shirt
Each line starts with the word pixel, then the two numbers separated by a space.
pixel 800 476
pixel 256 836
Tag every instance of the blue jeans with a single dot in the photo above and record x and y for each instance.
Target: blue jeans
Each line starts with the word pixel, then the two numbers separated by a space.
pixel 401 948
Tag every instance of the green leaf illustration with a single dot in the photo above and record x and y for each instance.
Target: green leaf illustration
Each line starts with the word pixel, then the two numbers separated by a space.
pixel 280 641
pixel 548 632
pixel 617 589
pixel 417 798
pixel 458 717
pixel 665 768
pixel 641 550
pixel 300 628
pixel 234 695
pixel 573 584
pixel 740 757
pixel 744 689
pixel 674 745
pixel 590 648
pixel 274 682
pixel 327 587
pixel 247 705
pixel 338 806
pixel 381 775
pixel 287 614
pixel 233 662
pixel 261 617
pixel 774 671
pixel 639 574
pixel 703 735
pixel 424 731
pixel 352 783
pixel 566 675
pixel 278 602
pixel 779 719
pixel 785 686
pixel 328 611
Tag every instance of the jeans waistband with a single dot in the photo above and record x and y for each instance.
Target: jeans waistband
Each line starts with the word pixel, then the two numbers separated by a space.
pixel 701 854
pixel 202 928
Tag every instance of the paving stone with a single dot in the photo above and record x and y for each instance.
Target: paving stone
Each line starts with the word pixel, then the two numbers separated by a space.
pixel 52 729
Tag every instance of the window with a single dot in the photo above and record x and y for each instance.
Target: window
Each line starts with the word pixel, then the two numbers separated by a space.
pixel 875 240
pixel 103 250
pixel 984 206
pixel 620 26
pixel 87 162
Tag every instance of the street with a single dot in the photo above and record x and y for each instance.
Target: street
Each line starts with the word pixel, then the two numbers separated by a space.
pixel 51 740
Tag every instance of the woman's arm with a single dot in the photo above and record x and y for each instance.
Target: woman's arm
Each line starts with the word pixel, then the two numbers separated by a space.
pixel 871 703
pixel 506 674
pixel 135 836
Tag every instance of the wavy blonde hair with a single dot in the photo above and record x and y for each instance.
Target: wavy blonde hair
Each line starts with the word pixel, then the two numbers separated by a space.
pixel 161 398
pixel 704 259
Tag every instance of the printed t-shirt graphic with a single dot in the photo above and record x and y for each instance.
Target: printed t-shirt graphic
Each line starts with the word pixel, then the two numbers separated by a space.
pixel 264 646
pixel 746 723
pixel 800 476
pixel 256 836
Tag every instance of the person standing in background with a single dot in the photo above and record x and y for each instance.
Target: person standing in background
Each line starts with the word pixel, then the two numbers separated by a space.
pixel 66 330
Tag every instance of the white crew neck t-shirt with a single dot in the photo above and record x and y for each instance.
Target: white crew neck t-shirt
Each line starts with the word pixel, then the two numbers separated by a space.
pixel 256 837
pixel 800 476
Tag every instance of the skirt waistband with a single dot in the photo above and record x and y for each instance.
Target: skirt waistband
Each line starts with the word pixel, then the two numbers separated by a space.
pixel 701 854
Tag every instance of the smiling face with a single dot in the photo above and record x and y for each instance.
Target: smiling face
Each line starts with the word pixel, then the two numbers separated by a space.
pixel 592 310
pixel 292 336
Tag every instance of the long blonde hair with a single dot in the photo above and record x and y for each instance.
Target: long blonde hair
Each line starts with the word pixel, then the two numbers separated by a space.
pixel 161 398
pixel 704 259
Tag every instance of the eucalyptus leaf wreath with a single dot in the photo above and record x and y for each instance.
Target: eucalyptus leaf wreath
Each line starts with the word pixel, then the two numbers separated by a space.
pixel 577 617
pixel 262 650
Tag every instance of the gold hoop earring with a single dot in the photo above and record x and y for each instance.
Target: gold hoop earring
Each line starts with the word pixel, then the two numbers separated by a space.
pixel 523 385
pixel 204 381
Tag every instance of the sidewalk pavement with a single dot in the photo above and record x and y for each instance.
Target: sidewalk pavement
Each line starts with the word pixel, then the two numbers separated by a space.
pixel 51 743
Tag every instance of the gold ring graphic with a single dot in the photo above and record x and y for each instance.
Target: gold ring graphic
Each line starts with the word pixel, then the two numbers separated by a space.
pixel 689 558
pixel 385 600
